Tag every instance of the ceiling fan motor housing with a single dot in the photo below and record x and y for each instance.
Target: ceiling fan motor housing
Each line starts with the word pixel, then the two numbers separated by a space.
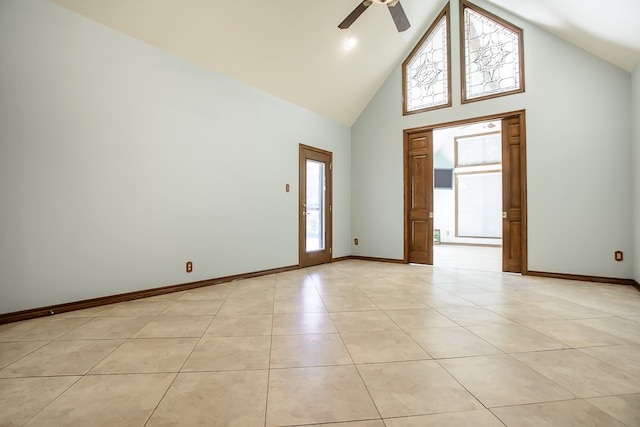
pixel 397 13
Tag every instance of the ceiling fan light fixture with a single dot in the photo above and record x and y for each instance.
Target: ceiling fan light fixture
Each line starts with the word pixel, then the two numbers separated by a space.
pixel 397 13
pixel 351 42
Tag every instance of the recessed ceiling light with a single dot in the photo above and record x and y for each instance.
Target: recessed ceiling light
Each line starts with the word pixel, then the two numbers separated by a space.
pixel 351 42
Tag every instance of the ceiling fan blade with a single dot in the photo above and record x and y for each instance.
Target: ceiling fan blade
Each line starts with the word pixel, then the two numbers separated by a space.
pixel 399 17
pixel 355 14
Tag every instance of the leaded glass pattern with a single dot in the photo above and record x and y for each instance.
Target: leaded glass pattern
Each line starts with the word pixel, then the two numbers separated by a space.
pixel 491 56
pixel 426 70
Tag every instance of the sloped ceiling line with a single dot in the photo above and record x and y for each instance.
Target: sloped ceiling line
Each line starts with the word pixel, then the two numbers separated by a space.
pixel 301 55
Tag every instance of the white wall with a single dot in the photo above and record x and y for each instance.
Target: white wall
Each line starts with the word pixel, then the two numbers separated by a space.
pixel 578 157
pixel 635 120
pixel 120 162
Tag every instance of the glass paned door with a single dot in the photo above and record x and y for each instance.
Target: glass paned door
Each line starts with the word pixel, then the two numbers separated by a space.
pixel 315 206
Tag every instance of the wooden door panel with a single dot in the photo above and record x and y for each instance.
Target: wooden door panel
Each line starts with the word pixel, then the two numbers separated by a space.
pixel 419 236
pixel 514 177
pixel 513 241
pixel 515 251
pixel 514 258
pixel 419 243
pixel 419 198
pixel 419 141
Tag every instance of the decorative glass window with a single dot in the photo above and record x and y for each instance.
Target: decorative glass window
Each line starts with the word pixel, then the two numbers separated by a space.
pixel 426 71
pixel 492 55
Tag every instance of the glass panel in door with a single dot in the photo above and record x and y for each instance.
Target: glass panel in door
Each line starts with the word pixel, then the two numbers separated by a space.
pixel 315 206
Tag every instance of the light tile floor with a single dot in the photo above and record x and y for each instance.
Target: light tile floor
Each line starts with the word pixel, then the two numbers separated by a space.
pixel 349 344
pixel 481 258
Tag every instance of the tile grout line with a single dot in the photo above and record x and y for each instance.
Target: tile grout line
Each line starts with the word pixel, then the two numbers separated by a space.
pixel 179 371
pixel 54 399
pixel 375 405
pixel 273 315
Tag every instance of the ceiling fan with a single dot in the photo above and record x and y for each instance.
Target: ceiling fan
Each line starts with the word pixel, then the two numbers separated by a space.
pixel 397 13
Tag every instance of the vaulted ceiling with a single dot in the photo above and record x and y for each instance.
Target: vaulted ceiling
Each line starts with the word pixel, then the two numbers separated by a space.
pixel 294 50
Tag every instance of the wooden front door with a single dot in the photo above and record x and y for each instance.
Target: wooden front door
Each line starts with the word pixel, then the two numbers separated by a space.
pixel 419 198
pixel 513 200
pixel 315 206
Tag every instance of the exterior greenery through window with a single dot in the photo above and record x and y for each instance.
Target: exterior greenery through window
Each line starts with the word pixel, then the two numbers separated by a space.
pixel 491 55
pixel 426 73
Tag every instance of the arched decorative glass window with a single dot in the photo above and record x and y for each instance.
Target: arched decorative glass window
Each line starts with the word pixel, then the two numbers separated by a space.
pixel 492 58
pixel 426 73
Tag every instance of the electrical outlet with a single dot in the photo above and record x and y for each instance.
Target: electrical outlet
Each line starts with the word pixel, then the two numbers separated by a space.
pixel 618 256
pixel 189 266
pixel 355 242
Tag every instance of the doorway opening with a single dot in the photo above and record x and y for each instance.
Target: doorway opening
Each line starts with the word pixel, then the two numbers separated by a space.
pixel 484 171
pixel 467 196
